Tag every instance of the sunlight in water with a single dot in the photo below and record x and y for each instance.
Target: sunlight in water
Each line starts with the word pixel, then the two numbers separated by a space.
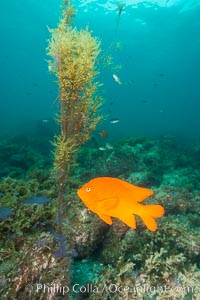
pixel 111 5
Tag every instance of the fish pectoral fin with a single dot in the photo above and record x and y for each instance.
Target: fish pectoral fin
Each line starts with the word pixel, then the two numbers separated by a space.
pixel 129 220
pixel 106 219
pixel 107 204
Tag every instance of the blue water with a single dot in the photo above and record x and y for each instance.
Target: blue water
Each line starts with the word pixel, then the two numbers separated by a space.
pixel 160 46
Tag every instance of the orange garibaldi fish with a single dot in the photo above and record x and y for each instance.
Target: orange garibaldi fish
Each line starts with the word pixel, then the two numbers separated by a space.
pixel 112 197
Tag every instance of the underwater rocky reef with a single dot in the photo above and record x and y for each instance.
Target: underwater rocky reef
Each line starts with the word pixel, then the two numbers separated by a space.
pixel 90 259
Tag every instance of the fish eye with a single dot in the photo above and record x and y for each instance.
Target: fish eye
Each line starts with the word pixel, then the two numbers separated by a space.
pixel 88 189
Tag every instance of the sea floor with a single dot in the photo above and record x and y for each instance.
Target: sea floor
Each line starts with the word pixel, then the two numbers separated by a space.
pixel 44 255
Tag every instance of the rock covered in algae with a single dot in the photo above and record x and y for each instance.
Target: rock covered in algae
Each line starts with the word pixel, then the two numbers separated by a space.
pixel 84 231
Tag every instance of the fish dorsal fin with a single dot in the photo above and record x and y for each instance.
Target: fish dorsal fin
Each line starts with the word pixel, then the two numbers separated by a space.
pixel 137 193
pixel 107 204
pixel 106 219
pixel 140 194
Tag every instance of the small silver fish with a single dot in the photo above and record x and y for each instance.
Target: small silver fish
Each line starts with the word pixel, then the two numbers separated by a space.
pixel 109 147
pixel 102 148
pixel 114 121
pixel 116 78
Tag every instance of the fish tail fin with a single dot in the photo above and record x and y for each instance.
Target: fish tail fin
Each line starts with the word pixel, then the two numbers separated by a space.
pixel 155 211
pixel 148 212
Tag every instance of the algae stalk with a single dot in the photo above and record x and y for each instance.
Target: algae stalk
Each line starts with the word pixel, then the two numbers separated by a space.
pixel 73 57
pixel 120 7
